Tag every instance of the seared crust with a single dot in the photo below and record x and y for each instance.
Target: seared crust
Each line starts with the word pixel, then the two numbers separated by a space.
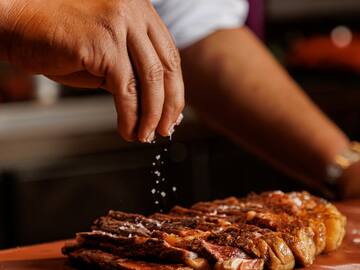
pixel 274 230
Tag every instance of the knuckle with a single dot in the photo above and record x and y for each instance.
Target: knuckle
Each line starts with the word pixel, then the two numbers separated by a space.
pixel 109 28
pixel 155 73
pixel 131 87
pixel 173 61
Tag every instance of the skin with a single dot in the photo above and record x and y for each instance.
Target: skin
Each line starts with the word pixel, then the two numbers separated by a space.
pixel 119 45
pixel 231 79
pixel 237 87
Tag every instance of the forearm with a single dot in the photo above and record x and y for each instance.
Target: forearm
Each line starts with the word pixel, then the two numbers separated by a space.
pixel 238 88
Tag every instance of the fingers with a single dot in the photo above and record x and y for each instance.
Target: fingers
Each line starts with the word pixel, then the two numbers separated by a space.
pixel 173 81
pixel 82 79
pixel 151 77
pixel 121 82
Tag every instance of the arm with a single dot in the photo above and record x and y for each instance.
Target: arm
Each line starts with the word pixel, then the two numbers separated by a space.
pixel 119 45
pixel 240 90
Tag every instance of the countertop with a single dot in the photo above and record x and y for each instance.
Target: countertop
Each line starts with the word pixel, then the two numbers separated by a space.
pixel 48 256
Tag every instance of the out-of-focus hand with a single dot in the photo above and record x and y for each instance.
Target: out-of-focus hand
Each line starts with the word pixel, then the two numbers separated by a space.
pixel 349 183
pixel 119 45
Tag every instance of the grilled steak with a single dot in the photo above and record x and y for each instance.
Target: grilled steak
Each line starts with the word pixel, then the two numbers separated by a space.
pixel 295 233
pixel 272 230
pixel 102 260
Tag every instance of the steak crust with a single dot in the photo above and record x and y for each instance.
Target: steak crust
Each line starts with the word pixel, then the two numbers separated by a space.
pixel 272 230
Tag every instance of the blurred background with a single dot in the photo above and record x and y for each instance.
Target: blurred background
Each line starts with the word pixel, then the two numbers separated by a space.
pixel 62 163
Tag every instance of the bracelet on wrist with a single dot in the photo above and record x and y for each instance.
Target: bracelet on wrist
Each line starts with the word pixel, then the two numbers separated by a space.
pixel 341 162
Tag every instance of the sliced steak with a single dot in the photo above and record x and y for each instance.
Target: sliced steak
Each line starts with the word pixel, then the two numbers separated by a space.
pixel 102 260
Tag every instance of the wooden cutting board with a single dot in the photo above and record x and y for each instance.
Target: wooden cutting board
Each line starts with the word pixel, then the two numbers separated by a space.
pixel 48 256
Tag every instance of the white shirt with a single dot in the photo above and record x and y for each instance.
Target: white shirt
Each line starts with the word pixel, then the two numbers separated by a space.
pixel 192 20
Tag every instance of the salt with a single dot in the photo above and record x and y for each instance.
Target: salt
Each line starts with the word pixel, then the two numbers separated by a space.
pixel 158 157
pixel 157 182
pixel 157 173
pixel 356 240
pixel 163 194
pixel 153 191
pixel 156 202
pixel 153 163
pixel 174 189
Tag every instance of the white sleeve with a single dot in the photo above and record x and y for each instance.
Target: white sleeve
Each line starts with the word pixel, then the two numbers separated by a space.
pixel 192 20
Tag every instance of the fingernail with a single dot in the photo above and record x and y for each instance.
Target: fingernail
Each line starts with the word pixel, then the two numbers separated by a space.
pixel 179 120
pixel 151 137
pixel 171 129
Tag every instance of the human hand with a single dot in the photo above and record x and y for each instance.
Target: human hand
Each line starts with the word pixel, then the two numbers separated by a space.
pixel 349 182
pixel 119 45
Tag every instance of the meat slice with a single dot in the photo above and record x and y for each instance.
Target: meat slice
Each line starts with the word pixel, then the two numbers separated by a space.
pixel 334 221
pixel 326 221
pixel 260 243
pixel 295 233
pixel 178 234
pixel 103 260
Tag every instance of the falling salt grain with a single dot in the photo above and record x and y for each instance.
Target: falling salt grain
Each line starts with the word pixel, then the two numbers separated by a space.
pixel 174 189
pixel 153 191
pixel 156 202
pixel 157 173
pixel 158 157
pixel 130 235
pixel 165 150
pixel 356 241
pixel 163 179
pixel 162 162
pixel 163 194
pixel 153 163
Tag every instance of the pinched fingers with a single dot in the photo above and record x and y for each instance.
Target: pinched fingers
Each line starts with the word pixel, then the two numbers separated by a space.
pixel 173 81
pixel 121 82
pixel 151 78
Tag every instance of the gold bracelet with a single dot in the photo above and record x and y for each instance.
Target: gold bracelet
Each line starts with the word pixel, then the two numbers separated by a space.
pixel 343 161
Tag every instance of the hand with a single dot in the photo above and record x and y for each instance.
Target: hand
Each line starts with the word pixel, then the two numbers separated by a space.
pixel 349 183
pixel 119 45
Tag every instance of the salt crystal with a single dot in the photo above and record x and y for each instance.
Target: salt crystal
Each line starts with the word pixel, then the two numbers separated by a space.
pixel 153 163
pixel 156 202
pixel 157 173
pixel 163 179
pixel 163 194
pixel 158 157
pixel 356 241
pixel 174 189
pixel 130 235
pixel 153 191
pixel 157 182
pixel 162 162
pixel 165 150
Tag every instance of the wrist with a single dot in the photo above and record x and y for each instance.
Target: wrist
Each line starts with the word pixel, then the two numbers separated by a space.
pixel 341 163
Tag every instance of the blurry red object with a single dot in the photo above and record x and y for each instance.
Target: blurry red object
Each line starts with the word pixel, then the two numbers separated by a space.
pixel 322 53
pixel 15 85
